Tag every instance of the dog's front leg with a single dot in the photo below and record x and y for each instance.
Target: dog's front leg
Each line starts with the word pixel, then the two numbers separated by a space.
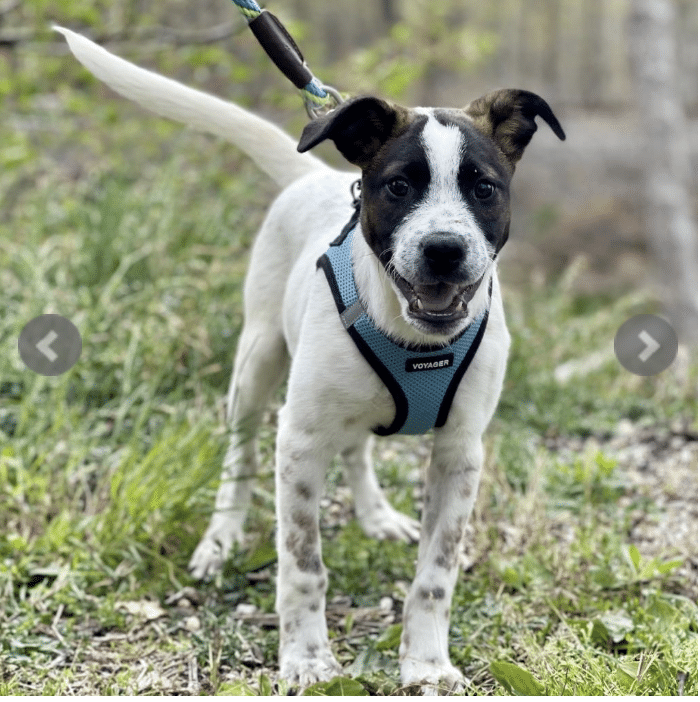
pixel 305 654
pixel 451 487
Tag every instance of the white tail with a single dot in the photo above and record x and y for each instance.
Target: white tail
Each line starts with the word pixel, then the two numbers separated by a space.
pixel 272 149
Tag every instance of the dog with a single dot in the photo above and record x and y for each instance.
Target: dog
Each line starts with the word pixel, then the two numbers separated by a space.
pixel 415 263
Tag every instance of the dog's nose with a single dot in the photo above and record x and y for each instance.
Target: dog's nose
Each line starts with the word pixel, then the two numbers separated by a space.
pixel 444 256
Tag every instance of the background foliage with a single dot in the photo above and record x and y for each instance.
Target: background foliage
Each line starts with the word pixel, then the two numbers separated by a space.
pixel 582 556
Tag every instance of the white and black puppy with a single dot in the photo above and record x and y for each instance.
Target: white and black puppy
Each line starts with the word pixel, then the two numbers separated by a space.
pixel 397 326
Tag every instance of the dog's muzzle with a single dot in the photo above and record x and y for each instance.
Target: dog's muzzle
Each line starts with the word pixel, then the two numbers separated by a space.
pixel 439 302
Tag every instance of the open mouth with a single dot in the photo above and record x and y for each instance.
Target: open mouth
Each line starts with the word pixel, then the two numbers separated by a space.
pixel 437 303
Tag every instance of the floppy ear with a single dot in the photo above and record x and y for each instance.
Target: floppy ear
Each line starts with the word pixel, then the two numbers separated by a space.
pixel 508 117
pixel 358 127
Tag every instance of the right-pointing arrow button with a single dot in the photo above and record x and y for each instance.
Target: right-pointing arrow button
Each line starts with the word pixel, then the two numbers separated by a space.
pixel 646 344
pixel 651 346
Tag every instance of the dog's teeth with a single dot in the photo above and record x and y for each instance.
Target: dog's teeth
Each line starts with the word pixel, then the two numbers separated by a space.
pixel 460 306
pixel 418 304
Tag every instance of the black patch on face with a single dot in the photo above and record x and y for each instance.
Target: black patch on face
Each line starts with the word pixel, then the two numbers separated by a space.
pixel 400 158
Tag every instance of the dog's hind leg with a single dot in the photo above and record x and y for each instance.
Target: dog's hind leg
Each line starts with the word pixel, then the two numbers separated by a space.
pixel 260 366
pixel 376 516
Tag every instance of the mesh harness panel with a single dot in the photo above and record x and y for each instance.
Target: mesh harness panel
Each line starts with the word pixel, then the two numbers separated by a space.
pixel 422 380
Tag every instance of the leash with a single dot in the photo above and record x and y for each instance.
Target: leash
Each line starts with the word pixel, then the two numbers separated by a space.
pixel 286 55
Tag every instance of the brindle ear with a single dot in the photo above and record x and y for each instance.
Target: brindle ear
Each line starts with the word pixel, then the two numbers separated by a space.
pixel 359 128
pixel 508 117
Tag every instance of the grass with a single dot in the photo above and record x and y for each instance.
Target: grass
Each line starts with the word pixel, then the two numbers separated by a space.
pixel 107 473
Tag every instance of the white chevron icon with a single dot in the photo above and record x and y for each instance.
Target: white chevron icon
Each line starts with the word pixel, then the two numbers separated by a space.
pixel 652 346
pixel 45 346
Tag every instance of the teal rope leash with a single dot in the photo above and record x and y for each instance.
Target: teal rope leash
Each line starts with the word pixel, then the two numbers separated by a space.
pixel 249 9
pixel 286 55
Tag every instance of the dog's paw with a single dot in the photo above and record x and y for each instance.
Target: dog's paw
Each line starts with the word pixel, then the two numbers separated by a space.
pixel 384 522
pixel 307 670
pixel 432 679
pixel 213 550
pixel 207 559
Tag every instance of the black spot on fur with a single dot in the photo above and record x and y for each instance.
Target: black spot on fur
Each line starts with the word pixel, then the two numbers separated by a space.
pixel 303 544
pixel 303 490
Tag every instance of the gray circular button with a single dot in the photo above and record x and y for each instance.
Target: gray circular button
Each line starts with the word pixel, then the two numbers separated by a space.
pixel 50 344
pixel 646 344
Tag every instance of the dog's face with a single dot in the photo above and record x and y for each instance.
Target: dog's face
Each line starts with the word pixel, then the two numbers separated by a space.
pixel 435 192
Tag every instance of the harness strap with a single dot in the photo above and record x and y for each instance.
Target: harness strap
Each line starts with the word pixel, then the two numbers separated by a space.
pixel 422 380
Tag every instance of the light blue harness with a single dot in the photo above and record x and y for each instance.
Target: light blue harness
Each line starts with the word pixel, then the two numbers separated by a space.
pixel 422 380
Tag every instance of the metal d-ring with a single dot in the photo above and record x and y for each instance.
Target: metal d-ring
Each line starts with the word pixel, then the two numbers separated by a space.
pixel 315 111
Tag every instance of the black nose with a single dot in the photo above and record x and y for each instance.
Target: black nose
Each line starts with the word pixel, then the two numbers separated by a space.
pixel 445 256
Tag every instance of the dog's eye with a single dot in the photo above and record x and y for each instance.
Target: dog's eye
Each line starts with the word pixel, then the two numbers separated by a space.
pixel 398 187
pixel 483 190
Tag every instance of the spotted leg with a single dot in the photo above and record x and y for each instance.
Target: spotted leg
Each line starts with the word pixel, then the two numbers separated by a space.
pixel 451 487
pixel 305 653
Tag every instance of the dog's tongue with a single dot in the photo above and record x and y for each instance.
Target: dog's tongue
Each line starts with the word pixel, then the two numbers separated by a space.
pixel 436 298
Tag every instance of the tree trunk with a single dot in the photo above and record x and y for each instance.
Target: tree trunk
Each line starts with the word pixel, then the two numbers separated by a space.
pixel 670 226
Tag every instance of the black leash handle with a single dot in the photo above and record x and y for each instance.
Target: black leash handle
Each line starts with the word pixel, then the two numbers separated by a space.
pixel 286 55
pixel 281 48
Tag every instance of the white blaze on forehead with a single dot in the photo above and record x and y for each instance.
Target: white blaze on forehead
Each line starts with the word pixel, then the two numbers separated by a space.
pixel 444 207
pixel 444 147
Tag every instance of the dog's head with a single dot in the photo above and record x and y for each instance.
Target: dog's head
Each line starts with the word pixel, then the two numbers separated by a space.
pixel 435 191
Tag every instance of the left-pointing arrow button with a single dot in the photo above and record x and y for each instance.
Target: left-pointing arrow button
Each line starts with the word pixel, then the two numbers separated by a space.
pixel 45 346
pixel 50 344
